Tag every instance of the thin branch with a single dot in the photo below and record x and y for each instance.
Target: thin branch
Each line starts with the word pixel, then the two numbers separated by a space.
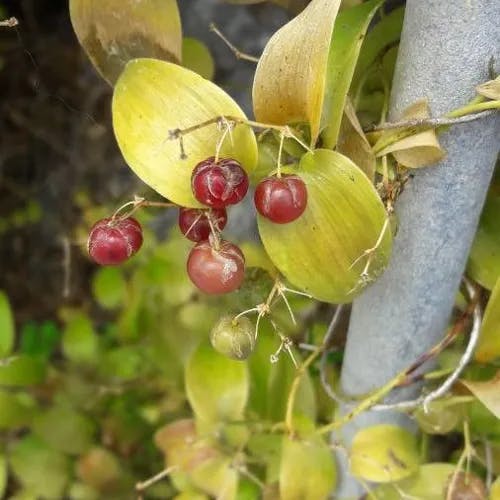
pixel 237 53
pixel 429 122
pixel 144 485
pixel 9 23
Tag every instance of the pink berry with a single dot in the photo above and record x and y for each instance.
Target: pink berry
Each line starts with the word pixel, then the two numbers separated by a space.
pixel 281 199
pixel 112 242
pixel 194 224
pixel 216 271
pixel 218 184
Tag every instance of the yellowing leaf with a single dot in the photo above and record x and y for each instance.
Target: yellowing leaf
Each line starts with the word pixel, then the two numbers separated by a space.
pixel 488 347
pixel 151 99
pixel 113 32
pixel 323 251
pixel 384 453
pixel 352 142
pixel 348 34
pixel 290 80
pixel 307 470
pixel 495 490
pixel 414 151
pixel 490 89
pixel 487 392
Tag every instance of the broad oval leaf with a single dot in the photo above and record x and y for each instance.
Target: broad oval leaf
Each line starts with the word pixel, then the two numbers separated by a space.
pixel 307 470
pixel 23 370
pixel 217 387
pixel 290 79
pixel 109 287
pixel 151 99
pixel 429 482
pixel 488 347
pixel 80 342
pixel 488 392
pixel 16 410
pixel 322 251
pixel 348 34
pixel 197 57
pixel 384 453
pixel 113 32
pixel 6 326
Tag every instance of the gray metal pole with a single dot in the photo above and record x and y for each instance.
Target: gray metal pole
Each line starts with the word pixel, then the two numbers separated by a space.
pixel 444 53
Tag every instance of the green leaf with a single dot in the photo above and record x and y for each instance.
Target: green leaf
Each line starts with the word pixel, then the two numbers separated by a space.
pixel 80 342
pixel 488 347
pixel 217 387
pixel 39 468
pixel 3 475
pixel 113 32
pixel 109 287
pixel 197 57
pixel 348 34
pixel 39 340
pixel 307 470
pixel 65 430
pixel 290 79
pixel 488 392
pixel 23 370
pixel 16 410
pixel 151 99
pixel 384 453
pixel 428 483
pixel 484 258
pixel 7 333
pixel 344 218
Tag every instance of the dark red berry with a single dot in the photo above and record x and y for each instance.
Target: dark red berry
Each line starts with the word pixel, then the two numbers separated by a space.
pixel 194 223
pixel 281 199
pixel 216 271
pixel 218 184
pixel 113 241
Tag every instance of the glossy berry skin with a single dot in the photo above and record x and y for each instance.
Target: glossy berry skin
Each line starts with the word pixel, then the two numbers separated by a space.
pixel 112 242
pixel 216 271
pixel 218 184
pixel 194 225
pixel 281 199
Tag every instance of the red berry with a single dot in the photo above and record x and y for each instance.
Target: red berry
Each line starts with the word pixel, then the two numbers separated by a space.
pixel 112 242
pixel 218 184
pixel 194 225
pixel 281 199
pixel 216 271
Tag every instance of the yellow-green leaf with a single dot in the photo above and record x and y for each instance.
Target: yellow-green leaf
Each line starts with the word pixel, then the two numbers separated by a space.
pixel 484 258
pixel 417 150
pixel 488 347
pixel 384 453
pixel 348 34
pixel 217 387
pixel 154 97
pixel 290 80
pixel 323 251
pixel 307 470
pixel 490 89
pixel 109 287
pixel 80 342
pixel 428 483
pixel 6 326
pixel 495 490
pixel 16 410
pixel 113 32
pixel 488 392
pixel 197 57
pixel 3 474
pixel 352 142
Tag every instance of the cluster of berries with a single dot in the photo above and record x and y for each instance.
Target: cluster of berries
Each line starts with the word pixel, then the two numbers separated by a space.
pixel 214 265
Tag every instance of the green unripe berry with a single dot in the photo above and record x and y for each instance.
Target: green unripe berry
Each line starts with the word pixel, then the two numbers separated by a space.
pixel 234 338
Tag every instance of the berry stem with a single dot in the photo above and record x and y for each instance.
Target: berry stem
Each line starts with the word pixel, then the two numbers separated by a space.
pixel 138 203
pixel 280 153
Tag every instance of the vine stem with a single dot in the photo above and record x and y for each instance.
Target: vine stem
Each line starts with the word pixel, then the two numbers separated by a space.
pixel 144 485
pixel 237 52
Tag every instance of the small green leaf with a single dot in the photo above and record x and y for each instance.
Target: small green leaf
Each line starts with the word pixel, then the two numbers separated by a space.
pixel 384 453
pixel 348 34
pixel 16 410
pixel 197 57
pixel 7 334
pixel 217 387
pixel 113 32
pixel 39 340
pixel 39 468
pixel 488 347
pixel 151 99
pixel 64 430
pixel 23 370
pixel 109 287
pixel 3 475
pixel 80 342
pixel 307 470
pixel 488 392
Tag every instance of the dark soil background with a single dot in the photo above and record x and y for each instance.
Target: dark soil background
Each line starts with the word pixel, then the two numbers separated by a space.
pixel 56 138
